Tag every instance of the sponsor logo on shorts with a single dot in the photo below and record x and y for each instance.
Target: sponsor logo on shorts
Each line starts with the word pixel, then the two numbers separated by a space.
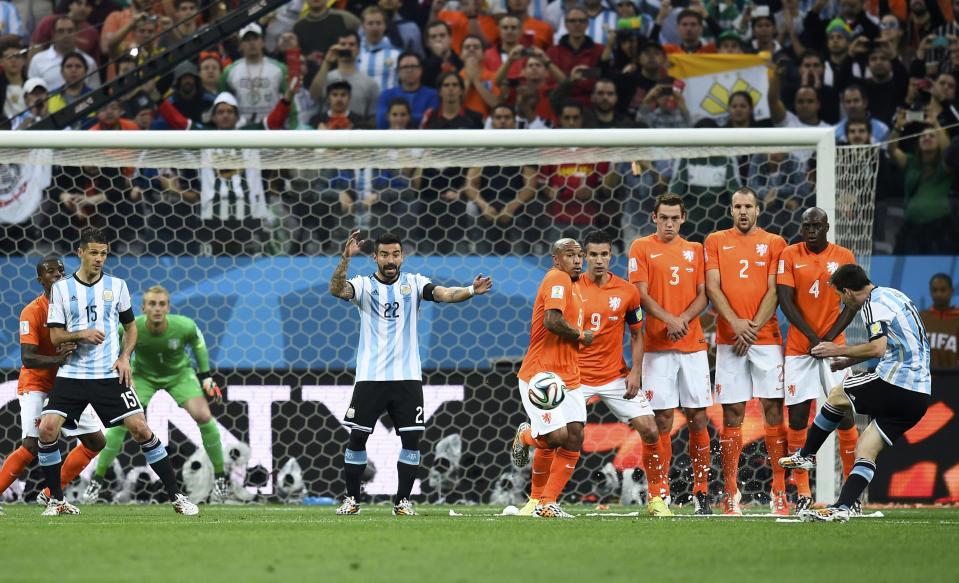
pixel 792 390
pixel 350 413
pixel 547 418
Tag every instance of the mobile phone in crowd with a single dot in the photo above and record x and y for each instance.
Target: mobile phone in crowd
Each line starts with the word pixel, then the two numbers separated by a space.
pixel 294 67
pixel 678 85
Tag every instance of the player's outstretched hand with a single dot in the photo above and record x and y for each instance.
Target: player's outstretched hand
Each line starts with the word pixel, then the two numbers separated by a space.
pixel 212 390
pixel 122 366
pixel 93 336
pixel 838 364
pixel 744 329
pixel 634 384
pixel 353 244
pixel 825 350
pixel 482 284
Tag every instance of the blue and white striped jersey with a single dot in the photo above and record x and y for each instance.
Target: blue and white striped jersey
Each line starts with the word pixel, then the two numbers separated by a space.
pixel 388 348
pixel 378 62
pixel 77 306
pixel 599 27
pixel 889 312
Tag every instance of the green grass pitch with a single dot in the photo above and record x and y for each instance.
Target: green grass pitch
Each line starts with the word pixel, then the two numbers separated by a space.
pixel 289 543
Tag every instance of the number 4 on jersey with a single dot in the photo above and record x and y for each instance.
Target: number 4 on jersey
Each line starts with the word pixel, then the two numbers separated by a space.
pixel 814 289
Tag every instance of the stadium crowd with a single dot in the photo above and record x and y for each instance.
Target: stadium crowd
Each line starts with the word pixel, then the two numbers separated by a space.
pixel 877 71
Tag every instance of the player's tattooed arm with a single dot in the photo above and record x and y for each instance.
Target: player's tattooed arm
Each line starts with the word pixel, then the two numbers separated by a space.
pixel 59 335
pixel 339 287
pixel 555 323
pixel 451 295
pixel 787 301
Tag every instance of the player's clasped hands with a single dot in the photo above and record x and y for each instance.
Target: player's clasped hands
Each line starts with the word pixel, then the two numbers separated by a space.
pixel 676 328
pixel 825 349
pixel 93 336
pixel 65 350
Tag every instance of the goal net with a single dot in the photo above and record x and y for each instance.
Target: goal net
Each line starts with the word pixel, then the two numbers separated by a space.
pixel 244 230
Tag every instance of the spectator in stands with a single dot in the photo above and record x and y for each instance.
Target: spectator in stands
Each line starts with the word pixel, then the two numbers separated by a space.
pixel 777 179
pixel 186 11
pixel 377 55
pixel 528 100
pixel 189 97
pixel 410 88
pixel 812 70
pixel 664 107
pixel 211 69
pixel 116 36
pixel 540 76
pixel 481 91
pixel 539 32
pixel 282 20
pixel 763 35
pixel 73 69
pixel 500 193
pixel 636 80
pixel 136 100
pixel 839 63
pixel 942 323
pixel 689 24
pixel 603 112
pixel 730 43
pixel 288 52
pixel 11 81
pixel 930 226
pixel 575 191
pixel 256 80
pixel 319 29
pixel 364 90
pixel 888 192
pixel 35 99
pixel 855 103
pixel 496 54
pixel 601 20
pixel 451 114
pixel 470 19
pixel 576 49
pixel 885 85
pixel 87 36
pixel 942 103
pixel 47 63
pixel 337 114
pixel 851 13
pixel 10 22
pixel 924 19
pixel 807 105
pixel 890 32
pixel 440 57
pixel 403 33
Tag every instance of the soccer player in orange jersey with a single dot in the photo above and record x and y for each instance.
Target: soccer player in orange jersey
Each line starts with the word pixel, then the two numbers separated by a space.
pixel 40 362
pixel 610 303
pixel 814 316
pixel 668 271
pixel 741 267
pixel 554 341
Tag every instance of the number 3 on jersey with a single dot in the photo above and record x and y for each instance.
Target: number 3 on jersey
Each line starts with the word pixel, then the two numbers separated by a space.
pixel 674 280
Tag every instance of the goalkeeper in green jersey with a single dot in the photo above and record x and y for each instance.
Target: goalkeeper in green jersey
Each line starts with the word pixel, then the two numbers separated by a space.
pixel 161 363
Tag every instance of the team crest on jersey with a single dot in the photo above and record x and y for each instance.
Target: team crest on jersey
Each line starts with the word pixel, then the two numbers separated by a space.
pixel 649 395
pixel 173 343
pixel 761 249
pixel 688 255
pixel 614 302
pixel 792 390
pixel 107 295
pixel 405 289
pixel 831 267
pixel 547 417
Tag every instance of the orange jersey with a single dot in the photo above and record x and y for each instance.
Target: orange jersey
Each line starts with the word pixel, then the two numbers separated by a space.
pixel 809 273
pixel 745 263
pixel 33 330
pixel 606 311
pixel 547 351
pixel 673 271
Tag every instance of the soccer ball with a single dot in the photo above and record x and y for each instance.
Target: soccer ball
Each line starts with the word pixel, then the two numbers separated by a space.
pixel 546 390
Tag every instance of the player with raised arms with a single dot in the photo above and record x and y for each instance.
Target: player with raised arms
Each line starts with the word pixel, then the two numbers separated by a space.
pixel 41 359
pixel 895 395
pixel 814 316
pixel 741 267
pixel 556 332
pixel 88 308
pixel 668 271
pixel 161 362
pixel 389 377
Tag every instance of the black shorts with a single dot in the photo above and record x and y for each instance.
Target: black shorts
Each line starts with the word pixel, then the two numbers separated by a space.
pixel 402 400
pixel 112 401
pixel 895 410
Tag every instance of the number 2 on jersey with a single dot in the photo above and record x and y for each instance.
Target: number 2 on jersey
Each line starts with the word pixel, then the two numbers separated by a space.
pixel 742 272
pixel 390 309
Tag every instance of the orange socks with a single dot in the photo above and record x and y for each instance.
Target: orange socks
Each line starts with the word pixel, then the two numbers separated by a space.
pixel 796 438
pixel 666 459
pixel 776 448
pixel 653 466
pixel 699 453
pixel 538 442
pixel 78 459
pixel 847 449
pixel 730 447
pixel 13 466
pixel 560 472
pixel 542 462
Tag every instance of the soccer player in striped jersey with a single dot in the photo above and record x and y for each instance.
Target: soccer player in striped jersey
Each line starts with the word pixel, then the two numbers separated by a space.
pixel 895 395
pixel 40 362
pixel 389 377
pixel 88 308
pixel 814 316
pixel 161 363
pixel 741 283
pixel 555 335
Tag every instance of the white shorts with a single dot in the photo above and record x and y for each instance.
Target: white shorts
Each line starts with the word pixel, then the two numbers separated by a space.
pixel 571 410
pixel 31 405
pixel 672 379
pixel 758 374
pixel 612 394
pixel 809 378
